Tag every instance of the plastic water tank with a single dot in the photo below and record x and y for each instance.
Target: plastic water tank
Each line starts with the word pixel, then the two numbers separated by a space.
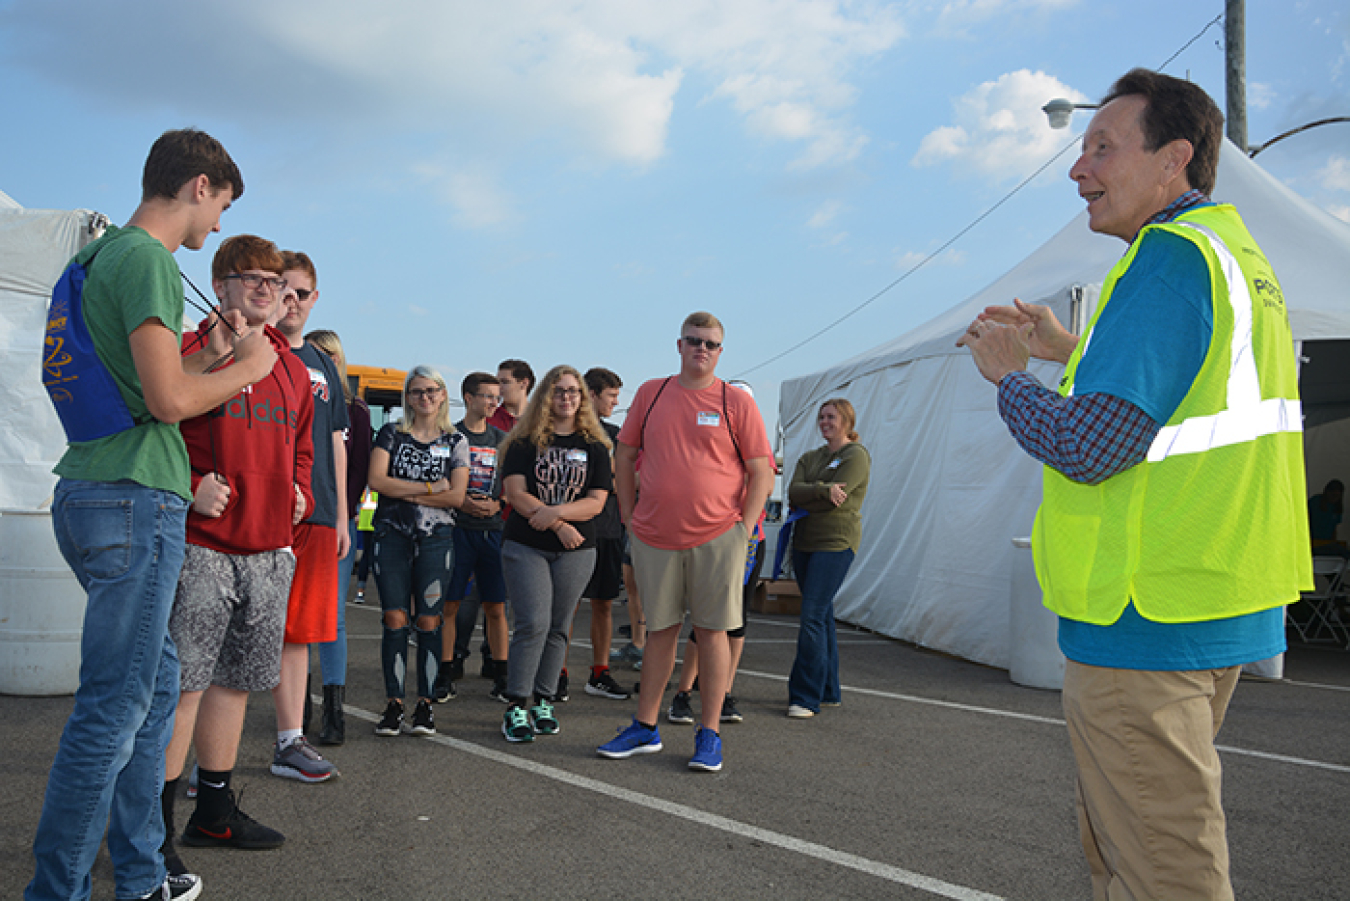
pixel 41 609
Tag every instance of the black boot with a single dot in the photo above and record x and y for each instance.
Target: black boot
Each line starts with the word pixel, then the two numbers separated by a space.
pixel 334 730
pixel 307 715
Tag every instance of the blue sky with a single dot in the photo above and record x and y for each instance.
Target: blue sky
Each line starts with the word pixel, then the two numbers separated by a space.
pixel 563 182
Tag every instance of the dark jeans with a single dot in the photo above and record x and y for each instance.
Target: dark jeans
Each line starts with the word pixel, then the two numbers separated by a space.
pixel 412 573
pixel 815 672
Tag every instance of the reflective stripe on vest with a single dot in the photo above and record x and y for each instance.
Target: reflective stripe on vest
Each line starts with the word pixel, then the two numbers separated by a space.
pixel 1246 416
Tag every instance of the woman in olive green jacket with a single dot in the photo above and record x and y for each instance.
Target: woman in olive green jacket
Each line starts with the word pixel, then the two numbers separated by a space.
pixel 830 483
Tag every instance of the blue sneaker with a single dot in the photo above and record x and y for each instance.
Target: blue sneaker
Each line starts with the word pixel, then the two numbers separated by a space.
pixel 636 739
pixel 707 751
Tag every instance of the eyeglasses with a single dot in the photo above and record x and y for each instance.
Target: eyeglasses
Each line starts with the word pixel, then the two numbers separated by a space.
pixel 567 393
pixel 302 293
pixel 254 282
pixel 490 398
pixel 418 393
pixel 695 343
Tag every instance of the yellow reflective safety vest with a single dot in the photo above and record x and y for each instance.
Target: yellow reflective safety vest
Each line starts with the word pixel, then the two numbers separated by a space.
pixel 1211 525
pixel 365 520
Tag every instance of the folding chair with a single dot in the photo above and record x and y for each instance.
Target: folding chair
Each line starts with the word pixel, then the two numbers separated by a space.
pixel 1315 618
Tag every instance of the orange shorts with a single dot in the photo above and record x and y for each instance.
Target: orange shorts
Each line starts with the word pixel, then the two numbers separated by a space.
pixel 311 613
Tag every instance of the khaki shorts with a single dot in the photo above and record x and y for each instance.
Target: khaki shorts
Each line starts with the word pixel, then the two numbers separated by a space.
pixel 704 580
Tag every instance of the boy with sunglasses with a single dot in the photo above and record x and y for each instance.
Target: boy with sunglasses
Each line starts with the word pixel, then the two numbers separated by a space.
pixel 706 471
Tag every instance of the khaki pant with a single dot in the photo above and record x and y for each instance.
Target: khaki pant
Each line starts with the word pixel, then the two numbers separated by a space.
pixel 1149 801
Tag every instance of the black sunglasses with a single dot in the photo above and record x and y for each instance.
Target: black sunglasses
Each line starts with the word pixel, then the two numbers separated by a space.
pixel 703 342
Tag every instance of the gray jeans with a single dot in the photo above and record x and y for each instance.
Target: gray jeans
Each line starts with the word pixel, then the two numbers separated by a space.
pixel 544 588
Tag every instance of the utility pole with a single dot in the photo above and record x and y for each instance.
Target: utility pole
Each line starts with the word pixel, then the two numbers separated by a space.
pixel 1235 73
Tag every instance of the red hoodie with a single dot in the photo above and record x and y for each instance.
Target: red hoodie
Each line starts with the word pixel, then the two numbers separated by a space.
pixel 261 441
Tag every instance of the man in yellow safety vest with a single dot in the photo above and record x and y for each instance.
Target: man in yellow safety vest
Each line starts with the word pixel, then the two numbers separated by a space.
pixel 1171 531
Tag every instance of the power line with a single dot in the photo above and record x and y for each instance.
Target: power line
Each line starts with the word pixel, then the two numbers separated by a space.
pixel 916 267
pixel 928 259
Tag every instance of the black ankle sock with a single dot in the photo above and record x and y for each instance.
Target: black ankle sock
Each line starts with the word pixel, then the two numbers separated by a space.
pixel 213 795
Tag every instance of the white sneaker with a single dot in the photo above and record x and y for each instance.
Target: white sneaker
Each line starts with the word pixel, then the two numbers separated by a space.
pixel 798 712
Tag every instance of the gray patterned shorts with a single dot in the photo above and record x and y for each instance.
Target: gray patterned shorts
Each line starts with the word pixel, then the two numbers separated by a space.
pixel 229 617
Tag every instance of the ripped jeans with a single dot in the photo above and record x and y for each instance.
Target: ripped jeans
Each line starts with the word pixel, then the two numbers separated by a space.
pixel 412 573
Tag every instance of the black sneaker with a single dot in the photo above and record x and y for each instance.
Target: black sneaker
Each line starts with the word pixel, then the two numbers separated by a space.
pixel 183 887
pixel 392 721
pixel 443 689
pixel 235 830
pixel 604 686
pixel 680 711
pixel 729 712
pixel 561 694
pixel 422 721
pixel 498 691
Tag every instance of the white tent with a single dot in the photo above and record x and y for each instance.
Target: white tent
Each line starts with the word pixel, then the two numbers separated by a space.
pixel 950 488
pixel 35 246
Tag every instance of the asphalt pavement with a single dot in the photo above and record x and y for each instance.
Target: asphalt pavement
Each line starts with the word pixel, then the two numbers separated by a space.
pixel 937 778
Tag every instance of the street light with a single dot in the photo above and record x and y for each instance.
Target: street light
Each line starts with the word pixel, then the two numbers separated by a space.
pixel 1060 111
pixel 1257 148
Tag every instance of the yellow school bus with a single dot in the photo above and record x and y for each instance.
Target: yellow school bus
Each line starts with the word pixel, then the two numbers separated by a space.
pixel 380 387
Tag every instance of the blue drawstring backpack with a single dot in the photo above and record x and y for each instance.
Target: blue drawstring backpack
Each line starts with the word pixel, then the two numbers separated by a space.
pixel 85 395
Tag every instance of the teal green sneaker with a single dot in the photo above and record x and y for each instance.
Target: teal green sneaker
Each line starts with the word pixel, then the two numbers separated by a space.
pixel 516 724
pixel 542 719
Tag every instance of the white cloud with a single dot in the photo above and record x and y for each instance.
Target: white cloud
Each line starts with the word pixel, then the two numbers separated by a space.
pixel 599 77
pixel 1000 131
pixel 1335 175
pixel 476 199
pixel 1261 95
pixel 957 16
pixel 825 214
pixel 911 258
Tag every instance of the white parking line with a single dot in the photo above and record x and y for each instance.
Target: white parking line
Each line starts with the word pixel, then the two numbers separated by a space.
pixel 1052 721
pixel 703 818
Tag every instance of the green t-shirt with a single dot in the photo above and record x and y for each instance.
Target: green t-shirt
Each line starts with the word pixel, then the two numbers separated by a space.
pixel 133 280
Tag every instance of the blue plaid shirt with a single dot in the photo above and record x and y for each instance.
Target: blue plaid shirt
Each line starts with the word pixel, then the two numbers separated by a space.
pixel 1088 438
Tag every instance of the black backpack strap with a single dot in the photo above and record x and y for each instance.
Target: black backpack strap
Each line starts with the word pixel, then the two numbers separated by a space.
pixel 726 417
pixel 643 431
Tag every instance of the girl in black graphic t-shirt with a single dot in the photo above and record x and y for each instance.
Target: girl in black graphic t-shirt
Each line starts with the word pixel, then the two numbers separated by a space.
pixel 556 477
pixel 420 467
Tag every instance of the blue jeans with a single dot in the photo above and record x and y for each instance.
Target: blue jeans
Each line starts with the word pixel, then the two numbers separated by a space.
pixel 412 572
pixel 124 542
pixel 815 673
pixel 333 654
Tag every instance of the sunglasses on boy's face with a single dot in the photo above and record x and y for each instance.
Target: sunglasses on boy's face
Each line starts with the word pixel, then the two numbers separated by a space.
pixel 695 343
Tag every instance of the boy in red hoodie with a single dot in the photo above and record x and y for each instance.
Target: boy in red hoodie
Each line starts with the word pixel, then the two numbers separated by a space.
pixel 251 460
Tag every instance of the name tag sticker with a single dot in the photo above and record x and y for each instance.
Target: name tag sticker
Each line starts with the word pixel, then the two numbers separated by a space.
pixel 576 456
pixel 712 419
pixel 440 451
pixel 834 464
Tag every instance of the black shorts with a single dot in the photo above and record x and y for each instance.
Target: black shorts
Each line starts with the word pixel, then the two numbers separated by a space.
pixel 607 581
